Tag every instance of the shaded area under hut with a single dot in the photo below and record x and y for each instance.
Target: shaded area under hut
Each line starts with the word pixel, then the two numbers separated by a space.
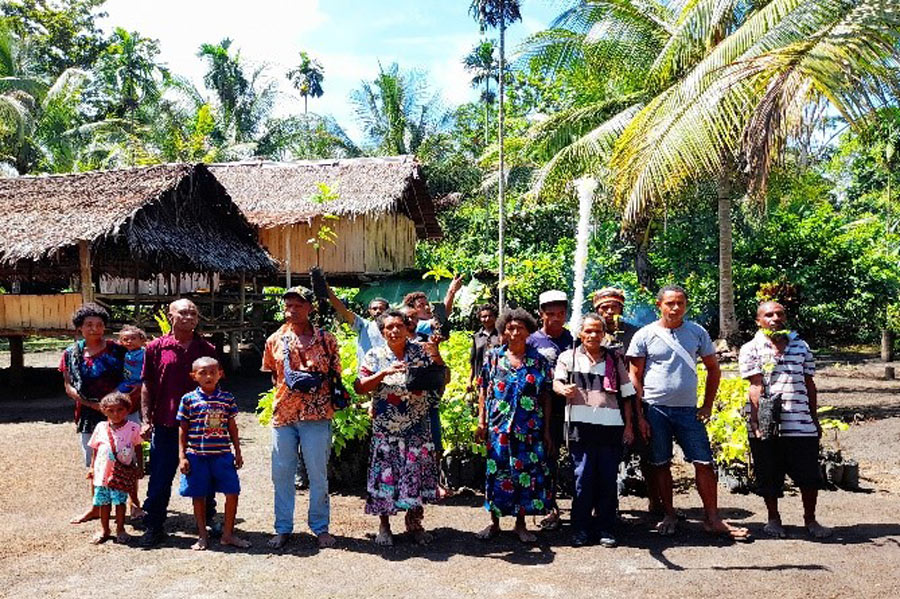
pixel 376 208
pixel 116 229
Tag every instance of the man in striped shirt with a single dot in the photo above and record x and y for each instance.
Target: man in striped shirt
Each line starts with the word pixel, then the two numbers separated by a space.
pixel 777 362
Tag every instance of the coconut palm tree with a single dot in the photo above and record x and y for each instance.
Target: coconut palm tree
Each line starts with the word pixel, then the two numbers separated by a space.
pixel 483 66
pixel 498 14
pixel 307 78
pixel 397 111
pixel 729 83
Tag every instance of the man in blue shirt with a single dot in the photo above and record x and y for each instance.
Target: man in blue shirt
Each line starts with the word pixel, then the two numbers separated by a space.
pixel 366 328
pixel 663 367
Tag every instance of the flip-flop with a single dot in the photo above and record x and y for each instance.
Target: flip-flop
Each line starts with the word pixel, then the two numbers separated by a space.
pixel 488 533
pixel 384 539
pixel 734 533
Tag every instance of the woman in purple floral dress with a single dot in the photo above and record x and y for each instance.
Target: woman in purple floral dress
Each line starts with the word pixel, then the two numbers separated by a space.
pixel 514 414
pixel 403 473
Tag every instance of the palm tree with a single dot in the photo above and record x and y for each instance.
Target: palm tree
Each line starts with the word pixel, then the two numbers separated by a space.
pixel 130 74
pixel 498 14
pixel 244 100
pixel 307 78
pixel 482 64
pixel 397 112
pixel 729 83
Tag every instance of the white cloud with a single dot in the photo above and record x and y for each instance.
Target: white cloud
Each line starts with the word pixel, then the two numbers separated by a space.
pixel 269 31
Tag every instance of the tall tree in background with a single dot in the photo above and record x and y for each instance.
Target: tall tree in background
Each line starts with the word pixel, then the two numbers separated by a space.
pixel 245 100
pixel 60 35
pixel 483 66
pixel 131 75
pixel 498 14
pixel 307 78
pixel 397 111
pixel 726 84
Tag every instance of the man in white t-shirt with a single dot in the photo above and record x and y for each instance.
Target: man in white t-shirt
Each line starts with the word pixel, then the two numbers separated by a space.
pixel 663 367
pixel 780 365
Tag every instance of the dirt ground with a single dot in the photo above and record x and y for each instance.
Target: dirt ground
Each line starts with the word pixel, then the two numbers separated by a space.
pixel 41 555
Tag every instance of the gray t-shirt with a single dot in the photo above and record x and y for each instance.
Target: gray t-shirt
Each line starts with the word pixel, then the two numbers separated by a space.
pixel 668 379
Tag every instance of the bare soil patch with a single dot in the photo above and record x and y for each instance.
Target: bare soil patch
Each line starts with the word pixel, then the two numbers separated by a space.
pixel 41 487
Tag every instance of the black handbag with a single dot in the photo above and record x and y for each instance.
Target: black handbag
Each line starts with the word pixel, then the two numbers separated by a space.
pixel 768 415
pixel 298 380
pixel 340 397
pixel 426 378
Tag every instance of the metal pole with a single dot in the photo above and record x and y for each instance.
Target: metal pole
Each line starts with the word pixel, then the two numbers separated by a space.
pixel 501 241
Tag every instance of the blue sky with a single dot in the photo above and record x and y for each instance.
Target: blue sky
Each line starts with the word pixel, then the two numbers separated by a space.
pixel 349 37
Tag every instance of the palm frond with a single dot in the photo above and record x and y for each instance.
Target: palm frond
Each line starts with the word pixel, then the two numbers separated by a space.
pixel 588 154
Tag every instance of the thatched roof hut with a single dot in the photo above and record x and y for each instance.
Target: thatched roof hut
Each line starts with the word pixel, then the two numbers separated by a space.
pixel 136 222
pixel 274 194
pixel 383 207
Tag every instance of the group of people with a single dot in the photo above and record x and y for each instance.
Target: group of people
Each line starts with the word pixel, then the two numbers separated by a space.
pixel 611 389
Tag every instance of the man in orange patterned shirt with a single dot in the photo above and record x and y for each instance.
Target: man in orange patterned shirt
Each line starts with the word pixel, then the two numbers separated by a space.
pixel 302 413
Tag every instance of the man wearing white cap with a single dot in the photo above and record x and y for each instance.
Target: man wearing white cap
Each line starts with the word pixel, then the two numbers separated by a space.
pixel 550 341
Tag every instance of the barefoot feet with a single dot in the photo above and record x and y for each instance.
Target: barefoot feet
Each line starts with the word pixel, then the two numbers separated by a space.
pixel 817 531
pixel 278 541
pixel 233 541
pixel 488 532
pixel 525 536
pixel 720 528
pixel 774 529
pixel 92 514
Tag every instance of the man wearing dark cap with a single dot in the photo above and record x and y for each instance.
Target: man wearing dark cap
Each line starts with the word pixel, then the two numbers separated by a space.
pixel 609 303
pixel 301 358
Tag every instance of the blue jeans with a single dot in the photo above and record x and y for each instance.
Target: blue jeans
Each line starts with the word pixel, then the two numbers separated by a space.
pixel 596 490
pixel 163 466
pixel 681 423
pixel 314 439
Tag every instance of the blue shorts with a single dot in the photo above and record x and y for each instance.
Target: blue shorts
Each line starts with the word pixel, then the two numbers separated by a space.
pixel 107 496
pixel 681 424
pixel 210 474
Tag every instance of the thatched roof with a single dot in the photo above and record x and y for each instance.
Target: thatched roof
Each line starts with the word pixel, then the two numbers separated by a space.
pixel 274 194
pixel 139 221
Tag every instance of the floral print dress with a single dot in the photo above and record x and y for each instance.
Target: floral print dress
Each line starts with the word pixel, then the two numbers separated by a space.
pixel 517 469
pixel 403 473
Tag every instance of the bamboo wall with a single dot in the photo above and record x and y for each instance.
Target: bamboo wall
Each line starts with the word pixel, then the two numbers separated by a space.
pixel 376 244
pixel 161 285
pixel 38 312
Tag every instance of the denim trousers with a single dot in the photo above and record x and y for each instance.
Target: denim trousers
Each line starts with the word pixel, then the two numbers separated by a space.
pixel 596 490
pixel 163 467
pixel 313 438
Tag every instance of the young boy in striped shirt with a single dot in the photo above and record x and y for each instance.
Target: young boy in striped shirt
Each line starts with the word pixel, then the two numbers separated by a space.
pixel 207 432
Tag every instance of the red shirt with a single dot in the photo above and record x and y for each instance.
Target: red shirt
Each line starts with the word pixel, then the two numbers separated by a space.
pixel 167 374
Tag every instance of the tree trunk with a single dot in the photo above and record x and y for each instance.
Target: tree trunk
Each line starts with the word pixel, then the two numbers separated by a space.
pixel 502 180
pixel 642 267
pixel 887 345
pixel 728 326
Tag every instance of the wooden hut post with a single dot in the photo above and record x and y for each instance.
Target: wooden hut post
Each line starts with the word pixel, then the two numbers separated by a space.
pixel 16 361
pixel 287 257
pixel 87 281
pixel 235 341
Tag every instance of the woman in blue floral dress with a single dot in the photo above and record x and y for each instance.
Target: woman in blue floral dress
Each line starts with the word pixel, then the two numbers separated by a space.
pixel 403 473
pixel 514 415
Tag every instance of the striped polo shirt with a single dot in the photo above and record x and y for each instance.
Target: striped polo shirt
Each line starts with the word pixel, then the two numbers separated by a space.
pixel 784 374
pixel 207 417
